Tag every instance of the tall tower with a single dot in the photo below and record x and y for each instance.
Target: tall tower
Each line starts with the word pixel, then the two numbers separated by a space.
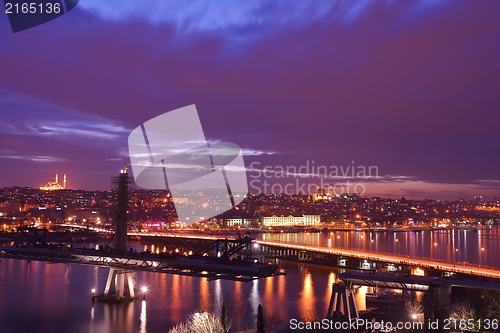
pixel 64 181
pixel 57 177
pixel 121 218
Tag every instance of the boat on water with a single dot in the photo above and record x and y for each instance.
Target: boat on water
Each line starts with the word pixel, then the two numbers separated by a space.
pixel 385 297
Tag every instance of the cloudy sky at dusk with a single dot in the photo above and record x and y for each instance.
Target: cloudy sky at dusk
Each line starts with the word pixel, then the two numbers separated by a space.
pixel 411 87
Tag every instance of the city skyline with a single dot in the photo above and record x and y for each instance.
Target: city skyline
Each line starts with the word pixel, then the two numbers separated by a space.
pixel 408 87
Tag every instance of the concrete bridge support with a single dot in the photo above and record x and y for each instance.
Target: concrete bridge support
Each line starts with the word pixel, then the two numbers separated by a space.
pixel 119 286
pixel 342 305
pixel 437 307
pixel 303 255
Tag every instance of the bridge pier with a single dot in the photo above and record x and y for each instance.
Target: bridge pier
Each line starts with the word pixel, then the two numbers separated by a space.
pixel 342 304
pixel 119 286
pixel 437 306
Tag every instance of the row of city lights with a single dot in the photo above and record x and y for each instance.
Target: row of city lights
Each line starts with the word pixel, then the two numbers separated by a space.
pixel 143 290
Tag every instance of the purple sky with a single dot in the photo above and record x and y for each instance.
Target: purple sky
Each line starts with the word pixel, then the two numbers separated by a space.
pixel 412 87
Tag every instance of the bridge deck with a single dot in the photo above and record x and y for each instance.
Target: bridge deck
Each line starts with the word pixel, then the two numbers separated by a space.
pixel 208 267
pixel 444 266
pixel 456 267
pixel 412 282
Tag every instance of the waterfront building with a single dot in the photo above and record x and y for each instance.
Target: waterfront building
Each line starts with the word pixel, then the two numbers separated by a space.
pixel 236 221
pixel 290 220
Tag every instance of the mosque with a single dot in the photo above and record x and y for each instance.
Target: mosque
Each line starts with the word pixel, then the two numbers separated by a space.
pixel 53 184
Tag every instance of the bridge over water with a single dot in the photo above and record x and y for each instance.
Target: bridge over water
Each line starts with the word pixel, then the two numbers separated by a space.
pixel 221 267
pixel 225 263
pixel 371 261
pixel 385 270
pixel 346 258
pixel 338 257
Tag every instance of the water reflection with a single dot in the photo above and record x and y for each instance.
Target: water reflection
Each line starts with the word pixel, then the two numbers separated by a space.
pixel 462 245
pixel 254 296
pixel 360 298
pixel 91 324
pixel 175 296
pixel 36 296
pixel 143 317
pixel 281 296
pixel 204 295
pixel 329 287
pixel 307 298
pixel 218 296
pixel 117 317
pixel 269 292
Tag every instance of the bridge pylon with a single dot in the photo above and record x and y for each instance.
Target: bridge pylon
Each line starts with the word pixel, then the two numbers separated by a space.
pixel 121 218
pixel 342 304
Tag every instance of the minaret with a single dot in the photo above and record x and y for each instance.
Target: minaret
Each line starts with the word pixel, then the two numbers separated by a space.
pixel 57 177
pixel 64 181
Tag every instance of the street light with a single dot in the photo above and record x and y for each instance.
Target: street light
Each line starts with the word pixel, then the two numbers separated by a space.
pixel 144 290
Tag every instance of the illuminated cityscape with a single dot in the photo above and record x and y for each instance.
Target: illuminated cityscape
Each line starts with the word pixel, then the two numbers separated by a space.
pixel 154 209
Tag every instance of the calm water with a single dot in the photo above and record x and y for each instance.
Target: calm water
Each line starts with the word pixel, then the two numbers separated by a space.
pixel 479 246
pixel 41 297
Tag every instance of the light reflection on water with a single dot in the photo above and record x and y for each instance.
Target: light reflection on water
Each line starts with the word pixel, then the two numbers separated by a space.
pixel 360 298
pixel 46 298
pixel 461 245
pixel 307 297
pixel 143 317
pixel 56 298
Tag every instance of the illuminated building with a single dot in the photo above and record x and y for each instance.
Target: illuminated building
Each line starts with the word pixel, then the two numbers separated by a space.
pixel 238 221
pixel 322 194
pixel 53 184
pixel 291 220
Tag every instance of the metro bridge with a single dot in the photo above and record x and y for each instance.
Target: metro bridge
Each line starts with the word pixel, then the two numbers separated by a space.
pixel 338 257
pixel 225 264
pixel 344 258
pixel 123 262
pixel 220 267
